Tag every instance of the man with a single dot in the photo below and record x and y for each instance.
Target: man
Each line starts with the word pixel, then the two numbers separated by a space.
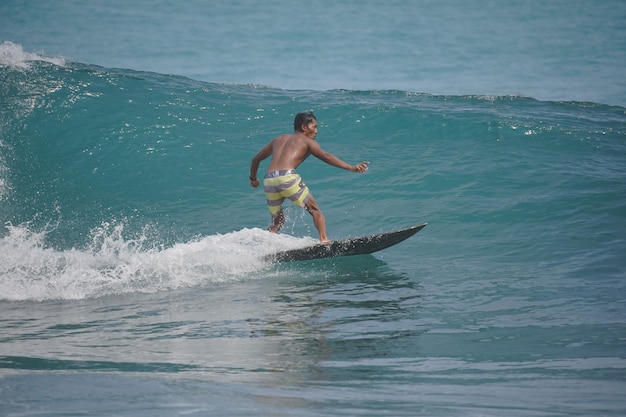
pixel 281 180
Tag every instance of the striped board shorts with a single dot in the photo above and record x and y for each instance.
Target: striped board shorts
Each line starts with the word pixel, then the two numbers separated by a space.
pixel 284 184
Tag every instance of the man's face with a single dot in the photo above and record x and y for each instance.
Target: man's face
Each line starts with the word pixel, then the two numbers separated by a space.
pixel 310 130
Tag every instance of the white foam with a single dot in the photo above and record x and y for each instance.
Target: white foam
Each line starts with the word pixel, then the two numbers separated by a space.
pixel 4 187
pixel 112 264
pixel 13 55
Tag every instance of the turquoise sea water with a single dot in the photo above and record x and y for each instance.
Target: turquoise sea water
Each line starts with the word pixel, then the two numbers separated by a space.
pixel 131 244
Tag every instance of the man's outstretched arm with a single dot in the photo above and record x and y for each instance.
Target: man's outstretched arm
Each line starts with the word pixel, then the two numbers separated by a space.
pixel 331 159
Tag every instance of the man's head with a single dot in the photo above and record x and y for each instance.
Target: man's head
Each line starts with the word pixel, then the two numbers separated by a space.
pixel 302 120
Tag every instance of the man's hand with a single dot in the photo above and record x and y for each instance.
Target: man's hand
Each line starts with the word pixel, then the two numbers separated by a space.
pixel 361 167
pixel 255 183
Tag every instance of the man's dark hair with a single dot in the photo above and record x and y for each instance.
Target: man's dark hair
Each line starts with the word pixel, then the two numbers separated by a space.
pixel 303 119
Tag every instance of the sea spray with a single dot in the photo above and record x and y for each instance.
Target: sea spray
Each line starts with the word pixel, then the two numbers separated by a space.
pixel 114 263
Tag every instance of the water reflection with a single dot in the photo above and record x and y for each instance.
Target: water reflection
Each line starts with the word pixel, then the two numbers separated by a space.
pixel 275 329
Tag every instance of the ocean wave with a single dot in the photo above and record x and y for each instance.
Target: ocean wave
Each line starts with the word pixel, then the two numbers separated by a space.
pixel 13 56
pixel 82 146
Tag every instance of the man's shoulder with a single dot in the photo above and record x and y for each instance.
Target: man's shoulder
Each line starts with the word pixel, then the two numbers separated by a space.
pixel 282 138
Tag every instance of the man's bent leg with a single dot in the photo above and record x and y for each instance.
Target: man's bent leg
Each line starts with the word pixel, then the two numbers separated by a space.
pixel 318 217
pixel 278 220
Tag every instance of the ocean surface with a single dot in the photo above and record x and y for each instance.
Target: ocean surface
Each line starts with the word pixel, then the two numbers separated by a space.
pixel 132 279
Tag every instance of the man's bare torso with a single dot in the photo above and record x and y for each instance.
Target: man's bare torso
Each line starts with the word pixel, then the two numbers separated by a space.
pixel 288 151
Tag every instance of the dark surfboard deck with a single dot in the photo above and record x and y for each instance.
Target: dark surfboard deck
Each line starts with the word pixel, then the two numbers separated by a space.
pixel 346 247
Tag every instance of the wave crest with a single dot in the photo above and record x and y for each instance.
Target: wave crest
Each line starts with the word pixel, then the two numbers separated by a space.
pixel 13 55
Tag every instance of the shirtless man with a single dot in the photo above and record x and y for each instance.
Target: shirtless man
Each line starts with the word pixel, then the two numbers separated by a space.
pixel 281 180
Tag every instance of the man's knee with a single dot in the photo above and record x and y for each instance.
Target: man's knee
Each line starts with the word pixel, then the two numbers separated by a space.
pixel 311 205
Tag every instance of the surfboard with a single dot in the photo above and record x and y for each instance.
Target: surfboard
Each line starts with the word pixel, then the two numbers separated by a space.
pixel 346 247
